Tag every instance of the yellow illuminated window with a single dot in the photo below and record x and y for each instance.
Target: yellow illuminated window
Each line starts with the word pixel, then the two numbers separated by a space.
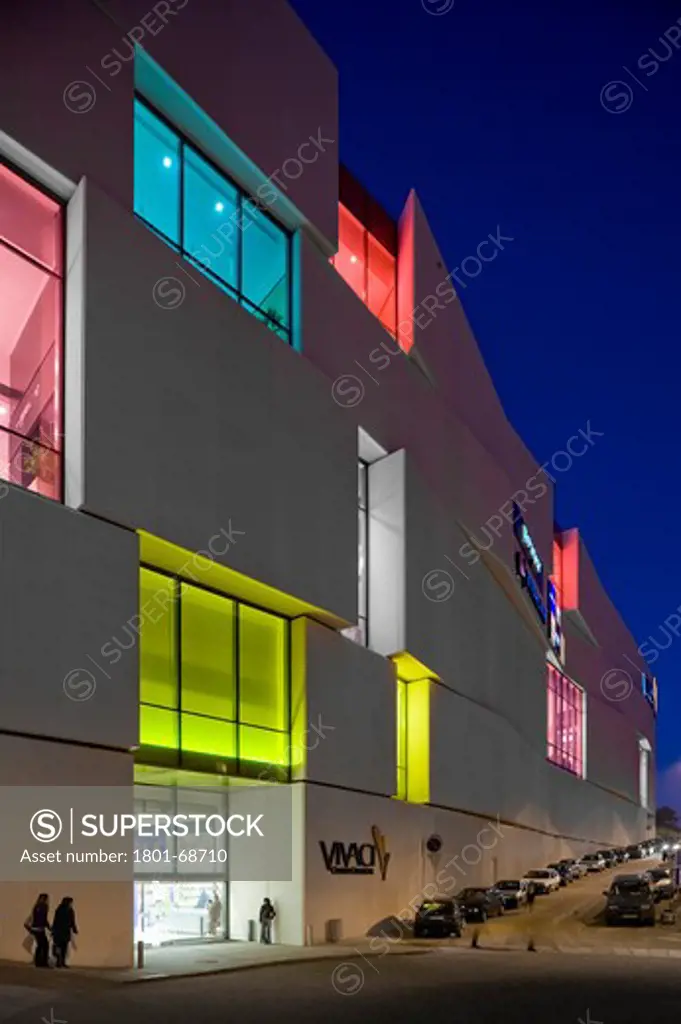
pixel 159 728
pixel 207 653
pixel 401 793
pixel 208 736
pixel 413 741
pixel 158 646
pixel 262 669
pixel 263 745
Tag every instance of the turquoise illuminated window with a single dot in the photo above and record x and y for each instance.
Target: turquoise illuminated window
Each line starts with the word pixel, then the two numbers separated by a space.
pixel 224 232
pixel 214 680
pixel 157 174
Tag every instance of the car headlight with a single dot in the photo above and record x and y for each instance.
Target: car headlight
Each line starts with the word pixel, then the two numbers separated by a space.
pixel 646 906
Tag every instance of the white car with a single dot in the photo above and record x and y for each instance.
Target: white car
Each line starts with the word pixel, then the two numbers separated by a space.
pixel 594 862
pixel 581 867
pixel 543 879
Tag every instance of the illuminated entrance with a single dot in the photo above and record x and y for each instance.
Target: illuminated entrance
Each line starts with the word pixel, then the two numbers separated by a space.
pixel 176 911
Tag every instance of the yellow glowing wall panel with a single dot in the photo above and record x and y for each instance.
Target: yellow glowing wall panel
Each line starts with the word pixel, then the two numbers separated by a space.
pixel 299 697
pixel 208 656
pixel 159 728
pixel 158 646
pixel 263 690
pixel 401 792
pixel 263 746
pixel 418 741
pixel 208 736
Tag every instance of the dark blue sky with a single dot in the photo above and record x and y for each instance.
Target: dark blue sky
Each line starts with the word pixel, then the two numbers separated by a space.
pixel 492 111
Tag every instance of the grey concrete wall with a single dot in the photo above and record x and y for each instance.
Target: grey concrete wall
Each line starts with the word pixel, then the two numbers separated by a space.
pixel 104 910
pixel 351 713
pixel 69 584
pixel 198 416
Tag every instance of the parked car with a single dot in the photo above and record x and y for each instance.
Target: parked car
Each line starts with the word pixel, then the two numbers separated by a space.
pixel 439 919
pixel 581 867
pixel 635 852
pixel 545 879
pixel 564 874
pixel 621 854
pixel 629 898
pixel 593 861
pixel 609 857
pixel 512 892
pixel 478 904
pixel 661 883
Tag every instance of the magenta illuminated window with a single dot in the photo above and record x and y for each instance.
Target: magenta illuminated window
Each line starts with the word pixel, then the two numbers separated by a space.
pixel 31 246
pixel 565 723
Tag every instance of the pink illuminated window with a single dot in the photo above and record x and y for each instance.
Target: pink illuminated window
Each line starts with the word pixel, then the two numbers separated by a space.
pixel 369 269
pixel 565 723
pixel 31 246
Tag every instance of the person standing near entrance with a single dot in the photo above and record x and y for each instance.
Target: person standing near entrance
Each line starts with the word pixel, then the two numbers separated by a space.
pixel 38 925
pixel 63 929
pixel 214 914
pixel 531 895
pixel 267 916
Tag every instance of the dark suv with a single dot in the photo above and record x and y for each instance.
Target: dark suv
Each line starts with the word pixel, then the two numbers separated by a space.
pixel 438 919
pixel 629 898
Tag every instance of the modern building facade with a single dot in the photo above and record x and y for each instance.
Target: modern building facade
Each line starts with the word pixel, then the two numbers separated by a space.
pixel 264 519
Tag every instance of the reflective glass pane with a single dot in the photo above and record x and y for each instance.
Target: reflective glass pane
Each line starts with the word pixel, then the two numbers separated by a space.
pixel 159 728
pixel 350 260
pixel 382 299
pixel 157 173
pixel 263 697
pixel 208 736
pixel 207 653
pixel 211 211
pixel 263 745
pixel 158 647
pixel 265 273
pixel 30 221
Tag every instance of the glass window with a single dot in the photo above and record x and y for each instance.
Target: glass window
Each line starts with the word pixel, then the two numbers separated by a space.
pixel 159 728
pixel 401 793
pixel 211 211
pixel 208 736
pixel 158 646
pixel 30 337
pixel 265 265
pixel 564 722
pixel 204 717
pixel 221 230
pixel 263 745
pixel 157 173
pixel 369 269
pixel 382 285
pixel 30 221
pixel 360 633
pixel 207 654
pixel 350 260
pixel 262 669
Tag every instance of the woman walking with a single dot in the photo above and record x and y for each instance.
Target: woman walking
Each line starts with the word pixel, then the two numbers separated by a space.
pixel 63 929
pixel 37 923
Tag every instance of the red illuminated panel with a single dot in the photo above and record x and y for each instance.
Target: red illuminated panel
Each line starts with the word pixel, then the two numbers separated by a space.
pixel 569 582
pixel 368 267
pixel 30 336
pixel 350 260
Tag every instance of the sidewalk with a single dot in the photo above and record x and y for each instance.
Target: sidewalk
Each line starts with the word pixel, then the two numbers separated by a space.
pixel 190 961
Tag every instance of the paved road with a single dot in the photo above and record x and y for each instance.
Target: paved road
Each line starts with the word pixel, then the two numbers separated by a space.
pixel 570 918
pixel 449 984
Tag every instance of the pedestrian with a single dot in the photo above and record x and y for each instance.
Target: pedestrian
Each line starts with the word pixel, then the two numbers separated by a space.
pixel 267 916
pixel 38 925
pixel 214 914
pixel 531 895
pixel 63 930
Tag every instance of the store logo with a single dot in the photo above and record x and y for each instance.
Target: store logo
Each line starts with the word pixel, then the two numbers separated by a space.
pixel 357 858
